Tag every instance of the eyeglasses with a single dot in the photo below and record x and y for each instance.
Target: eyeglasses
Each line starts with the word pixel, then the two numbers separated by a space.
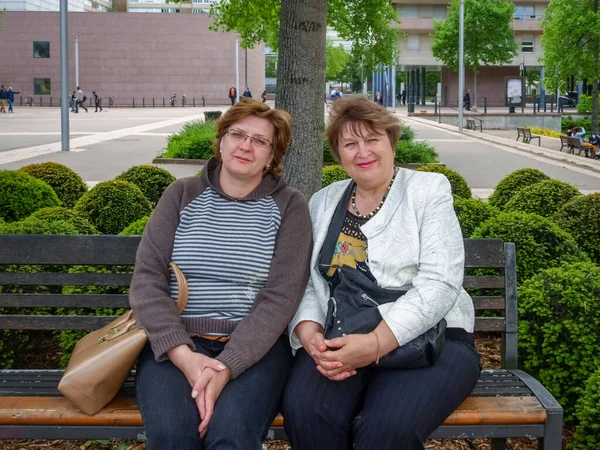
pixel 258 142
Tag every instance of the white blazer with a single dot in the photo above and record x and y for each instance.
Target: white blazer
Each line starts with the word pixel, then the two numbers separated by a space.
pixel 414 243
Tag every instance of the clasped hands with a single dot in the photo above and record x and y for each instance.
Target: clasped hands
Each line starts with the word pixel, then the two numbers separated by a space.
pixel 207 377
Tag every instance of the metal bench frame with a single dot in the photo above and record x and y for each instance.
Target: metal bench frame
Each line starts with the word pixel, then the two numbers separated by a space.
pixel 120 250
pixel 525 133
pixel 472 125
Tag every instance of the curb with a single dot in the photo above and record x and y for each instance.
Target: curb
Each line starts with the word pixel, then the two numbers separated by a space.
pixel 193 162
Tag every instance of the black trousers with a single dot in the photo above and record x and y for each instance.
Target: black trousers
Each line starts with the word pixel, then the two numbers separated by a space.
pixel 396 409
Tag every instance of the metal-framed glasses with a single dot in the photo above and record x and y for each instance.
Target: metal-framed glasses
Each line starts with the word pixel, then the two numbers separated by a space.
pixel 258 142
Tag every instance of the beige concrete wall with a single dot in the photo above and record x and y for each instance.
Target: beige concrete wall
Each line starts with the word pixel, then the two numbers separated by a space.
pixel 128 56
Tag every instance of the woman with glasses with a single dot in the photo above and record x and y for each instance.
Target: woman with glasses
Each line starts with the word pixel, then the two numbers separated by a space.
pixel 213 378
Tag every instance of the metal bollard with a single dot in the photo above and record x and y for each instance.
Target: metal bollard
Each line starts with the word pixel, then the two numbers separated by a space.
pixel 21 101
pixel 143 102
pixel 50 101
pixel 153 102
pixel 194 102
pixel 435 106
pixel 203 101
pixel 534 105
pixel 163 102
pixel 485 105
pixel 134 102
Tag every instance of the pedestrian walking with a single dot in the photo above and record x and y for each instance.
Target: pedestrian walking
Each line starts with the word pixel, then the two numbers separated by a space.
pixel 247 93
pixel 80 98
pixel 73 95
pixel 378 98
pixel 2 99
pixel 10 96
pixel 232 94
pixel 404 96
pixel 467 100
pixel 97 101
pixel 263 96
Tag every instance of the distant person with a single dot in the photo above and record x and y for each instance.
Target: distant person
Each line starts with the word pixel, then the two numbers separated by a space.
pixel 263 96
pixel 247 93
pixel 97 101
pixel 10 96
pixel 335 94
pixel 2 99
pixel 467 100
pixel 578 132
pixel 378 98
pixel 79 99
pixel 232 94
pixel 403 96
pixel 73 100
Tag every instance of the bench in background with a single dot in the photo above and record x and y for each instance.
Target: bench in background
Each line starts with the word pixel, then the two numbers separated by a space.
pixel 525 133
pixel 472 125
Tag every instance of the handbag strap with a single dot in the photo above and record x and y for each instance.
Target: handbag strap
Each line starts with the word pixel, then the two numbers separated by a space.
pixel 182 287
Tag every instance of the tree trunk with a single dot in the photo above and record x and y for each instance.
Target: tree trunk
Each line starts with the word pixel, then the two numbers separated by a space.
pixel 300 83
pixel 474 89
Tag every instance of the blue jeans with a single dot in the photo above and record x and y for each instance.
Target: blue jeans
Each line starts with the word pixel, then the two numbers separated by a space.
pixel 10 106
pixel 398 409
pixel 243 412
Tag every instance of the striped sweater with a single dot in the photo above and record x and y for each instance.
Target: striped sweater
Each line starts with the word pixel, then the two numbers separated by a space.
pixel 246 262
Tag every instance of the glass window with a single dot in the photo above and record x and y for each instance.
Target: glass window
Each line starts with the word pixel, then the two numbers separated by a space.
pixel 41 86
pixel 413 43
pixel 527 47
pixel 440 11
pixel 41 49
pixel 525 12
pixel 409 11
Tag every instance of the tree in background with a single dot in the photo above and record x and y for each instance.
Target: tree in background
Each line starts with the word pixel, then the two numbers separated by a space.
pixel 489 36
pixel 336 60
pixel 297 30
pixel 271 68
pixel 532 78
pixel 571 44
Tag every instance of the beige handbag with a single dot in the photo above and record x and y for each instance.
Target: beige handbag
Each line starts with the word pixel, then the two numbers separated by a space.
pixel 102 360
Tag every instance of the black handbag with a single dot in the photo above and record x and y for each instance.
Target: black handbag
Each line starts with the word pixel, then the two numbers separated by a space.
pixel 354 301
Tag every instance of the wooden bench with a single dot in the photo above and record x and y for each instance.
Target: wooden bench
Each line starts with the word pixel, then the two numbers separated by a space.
pixel 575 144
pixel 505 403
pixel 472 125
pixel 564 142
pixel 525 133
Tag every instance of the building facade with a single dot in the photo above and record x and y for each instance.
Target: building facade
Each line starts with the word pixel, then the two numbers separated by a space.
pixel 416 58
pixel 128 57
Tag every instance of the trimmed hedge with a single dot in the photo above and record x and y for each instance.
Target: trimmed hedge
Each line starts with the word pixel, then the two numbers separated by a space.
pixel 459 185
pixel 112 205
pixel 540 243
pixel 544 198
pixel 136 228
pixel 60 214
pixel 21 194
pixel 67 184
pixel 587 433
pixel 559 329
pixel 406 133
pixel 194 141
pixel 415 152
pixel 331 174
pixel 581 218
pixel 38 226
pixel 151 180
pixel 472 212
pixel 508 186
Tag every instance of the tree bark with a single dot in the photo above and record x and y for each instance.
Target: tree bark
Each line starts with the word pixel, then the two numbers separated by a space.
pixel 300 88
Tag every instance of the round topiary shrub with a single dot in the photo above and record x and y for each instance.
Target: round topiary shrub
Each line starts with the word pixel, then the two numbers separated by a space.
pixel 559 329
pixel 331 174
pixel 136 228
pixel 540 243
pixel 67 184
pixel 415 152
pixel 112 205
pixel 60 214
pixel 151 180
pixel 21 194
pixel 587 412
pixel 471 213
pixel 459 185
pixel 38 226
pixel 508 186
pixel 327 157
pixel 543 198
pixel 581 217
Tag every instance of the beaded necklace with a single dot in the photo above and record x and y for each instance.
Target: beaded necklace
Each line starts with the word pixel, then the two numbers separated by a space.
pixel 376 210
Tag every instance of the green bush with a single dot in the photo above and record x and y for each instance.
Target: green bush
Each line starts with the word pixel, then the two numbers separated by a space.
pixel 21 194
pixel 540 243
pixel 415 152
pixel 559 329
pixel 331 174
pixel 67 184
pixel 508 186
pixel 459 185
pixel 38 226
pixel 194 141
pixel 471 213
pixel 151 180
pixel 585 104
pixel 60 214
pixel 407 133
pixel 587 411
pixel 136 228
pixel 112 205
pixel 543 198
pixel 566 121
pixel 581 218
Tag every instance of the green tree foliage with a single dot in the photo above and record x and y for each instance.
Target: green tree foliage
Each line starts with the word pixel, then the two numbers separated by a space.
pixel 334 173
pixel 336 60
pixel 587 433
pixel 271 68
pixel 543 198
pixel 570 48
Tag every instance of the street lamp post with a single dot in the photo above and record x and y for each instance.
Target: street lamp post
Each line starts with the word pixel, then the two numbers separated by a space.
pixel 76 59
pixel 461 63
pixel 237 67
pixel 64 76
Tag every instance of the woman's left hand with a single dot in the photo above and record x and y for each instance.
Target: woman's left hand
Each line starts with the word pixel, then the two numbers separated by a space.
pixel 206 391
pixel 353 351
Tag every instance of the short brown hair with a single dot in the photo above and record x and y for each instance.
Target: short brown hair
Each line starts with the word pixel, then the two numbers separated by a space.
pixel 356 111
pixel 280 119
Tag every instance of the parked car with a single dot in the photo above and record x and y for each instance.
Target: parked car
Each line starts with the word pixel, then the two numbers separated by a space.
pixel 570 99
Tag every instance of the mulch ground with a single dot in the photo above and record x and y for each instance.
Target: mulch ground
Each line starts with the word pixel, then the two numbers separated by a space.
pixel 489 349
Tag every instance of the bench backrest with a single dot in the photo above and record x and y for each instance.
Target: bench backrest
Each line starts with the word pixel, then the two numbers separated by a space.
pixel 564 140
pixel 58 262
pixel 524 131
pixel 573 141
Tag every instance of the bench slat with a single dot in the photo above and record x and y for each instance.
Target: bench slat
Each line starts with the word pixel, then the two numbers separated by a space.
pixel 55 249
pixel 480 303
pixel 484 253
pixel 64 301
pixel 23 322
pixel 483 282
pixel 65 279
pixel 490 324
